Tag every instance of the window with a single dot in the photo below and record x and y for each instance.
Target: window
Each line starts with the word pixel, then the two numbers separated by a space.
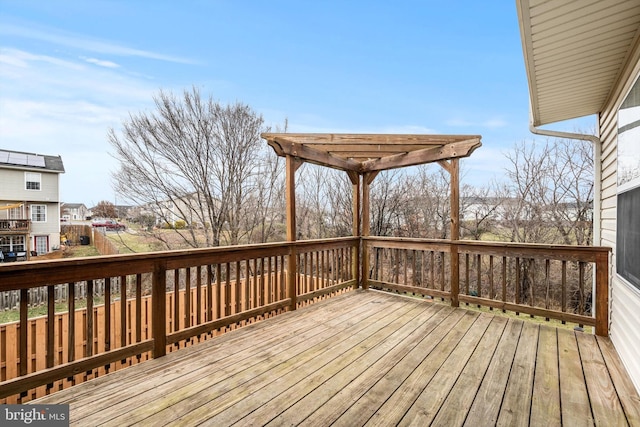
pixel 39 213
pixel 628 203
pixel 12 244
pixel 32 180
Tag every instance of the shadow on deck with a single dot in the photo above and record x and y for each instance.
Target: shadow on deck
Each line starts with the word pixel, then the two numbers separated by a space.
pixel 369 357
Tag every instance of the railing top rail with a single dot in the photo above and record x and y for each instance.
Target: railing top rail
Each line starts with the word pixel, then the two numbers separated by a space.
pixel 20 275
pixel 532 250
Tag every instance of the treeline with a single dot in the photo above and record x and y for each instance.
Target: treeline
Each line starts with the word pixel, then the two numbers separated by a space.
pixel 204 164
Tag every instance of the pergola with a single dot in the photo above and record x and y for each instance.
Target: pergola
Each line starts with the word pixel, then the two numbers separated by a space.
pixel 362 157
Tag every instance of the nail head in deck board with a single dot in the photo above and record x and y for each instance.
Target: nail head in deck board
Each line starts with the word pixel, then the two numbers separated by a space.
pixel 573 391
pixel 605 405
pixel 545 402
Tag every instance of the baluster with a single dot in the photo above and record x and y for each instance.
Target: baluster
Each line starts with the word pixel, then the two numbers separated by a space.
pixel 547 269
pixel 123 313
pixel 138 309
pixel 504 281
pixel 581 286
pixel 478 275
pixel 199 294
pixel 51 315
pixel 218 284
pixel 238 287
pixel 107 317
pixel 89 332
pixel 176 301
pixel 564 288
pixel 227 290
pixel 491 288
pixel 71 324
pixel 187 298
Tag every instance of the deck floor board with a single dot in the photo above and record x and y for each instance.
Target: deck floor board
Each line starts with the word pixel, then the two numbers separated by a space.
pixel 370 358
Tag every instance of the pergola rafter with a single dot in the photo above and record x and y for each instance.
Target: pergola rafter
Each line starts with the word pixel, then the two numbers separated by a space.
pixel 362 157
pixel 369 152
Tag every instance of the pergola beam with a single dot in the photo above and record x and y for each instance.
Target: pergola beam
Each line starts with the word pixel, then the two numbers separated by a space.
pixel 426 155
pixel 287 148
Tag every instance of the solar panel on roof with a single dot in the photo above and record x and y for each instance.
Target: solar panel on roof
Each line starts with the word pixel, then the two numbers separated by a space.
pixel 18 158
pixel 24 159
pixel 35 160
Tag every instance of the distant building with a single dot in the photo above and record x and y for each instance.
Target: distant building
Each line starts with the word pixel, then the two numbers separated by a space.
pixel 74 212
pixel 29 203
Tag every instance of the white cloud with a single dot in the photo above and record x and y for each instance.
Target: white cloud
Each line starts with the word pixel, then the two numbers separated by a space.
pixel 82 42
pixel 65 107
pixel 101 63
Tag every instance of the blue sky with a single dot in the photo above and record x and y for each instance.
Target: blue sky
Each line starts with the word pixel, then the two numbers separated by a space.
pixel 69 70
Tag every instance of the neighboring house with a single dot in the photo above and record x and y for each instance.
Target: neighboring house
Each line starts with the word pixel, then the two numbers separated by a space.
pixel 178 209
pixel 74 212
pixel 584 59
pixel 29 203
pixel 124 211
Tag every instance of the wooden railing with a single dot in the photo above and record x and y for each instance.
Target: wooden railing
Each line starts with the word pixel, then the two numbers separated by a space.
pixel 15 225
pixel 549 281
pixel 157 302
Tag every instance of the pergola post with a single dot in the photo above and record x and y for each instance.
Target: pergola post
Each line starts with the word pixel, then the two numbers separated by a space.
pixel 366 224
pixel 455 231
pixel 356 207
pixel 292 265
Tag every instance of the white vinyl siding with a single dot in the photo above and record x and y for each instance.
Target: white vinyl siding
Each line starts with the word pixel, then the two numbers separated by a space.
pixel 624 299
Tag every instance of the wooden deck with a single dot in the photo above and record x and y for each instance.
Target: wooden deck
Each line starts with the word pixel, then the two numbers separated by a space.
pixel 371 358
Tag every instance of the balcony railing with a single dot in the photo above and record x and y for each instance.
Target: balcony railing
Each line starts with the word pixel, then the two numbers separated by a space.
pixel 159 302
pixel 549 281
pixel 15 225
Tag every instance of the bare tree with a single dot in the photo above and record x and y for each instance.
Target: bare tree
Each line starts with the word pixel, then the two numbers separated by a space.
pixel 192 159
pixel 551 192
pixel 388 197
pixel 480 209
pixel 105 209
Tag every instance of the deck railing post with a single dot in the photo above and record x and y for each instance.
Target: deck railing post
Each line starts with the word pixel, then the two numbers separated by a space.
pixel 159 312
pixel 602 294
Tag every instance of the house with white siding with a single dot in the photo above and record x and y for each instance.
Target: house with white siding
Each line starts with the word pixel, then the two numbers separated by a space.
pixel 29 203
pixel 74 212
pixel 583 58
